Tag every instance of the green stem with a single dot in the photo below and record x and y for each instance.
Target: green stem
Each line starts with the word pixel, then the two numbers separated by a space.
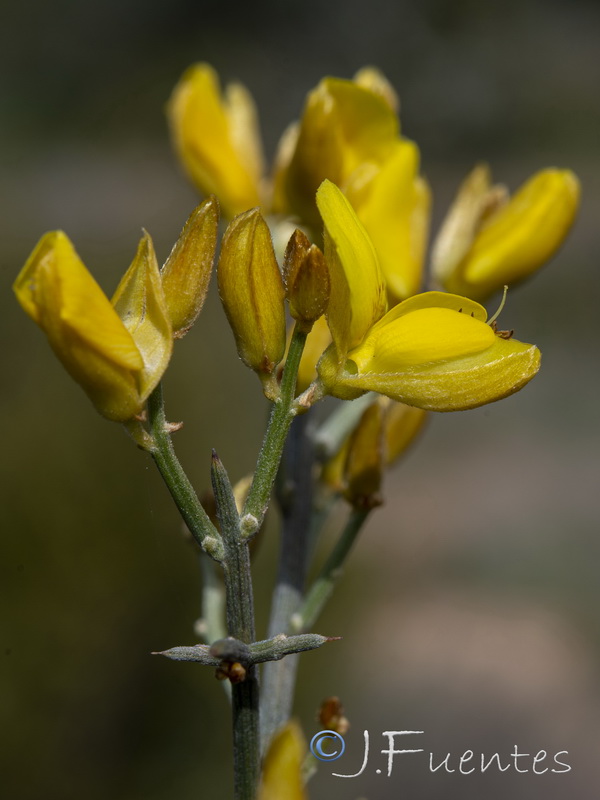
pixel 240 625
pixel 212 622
pixel 321 590
pixel 178 484
pixel 281 417
pixel 295 502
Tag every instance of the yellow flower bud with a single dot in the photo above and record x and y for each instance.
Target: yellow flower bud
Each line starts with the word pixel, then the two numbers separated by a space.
pixel 82 327
pixel 306 279
pixel 186 273
pixel 358 296
pixel 394 207
pixel 282 770
pixel 433 351
pixel 513 241
pixel 343 126
pixel 140 302
pixel 251 289
pixel 364 465
pixel 217 138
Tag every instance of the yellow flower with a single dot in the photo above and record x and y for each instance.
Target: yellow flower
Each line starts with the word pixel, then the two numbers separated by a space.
pixel 431 353
pixel 434 350
pixel 117 352
pixel 358 296
pixel 487 241
pixel 402 426
pixel 394 206
pixel 317 341
pixel 345 126
pixel 384 431
pixel 365 459
pixel 282 770
pixel 217 138
pixel 349 133
pixel 140 302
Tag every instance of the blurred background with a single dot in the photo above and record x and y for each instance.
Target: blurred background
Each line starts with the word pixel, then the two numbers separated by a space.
pixel 470 609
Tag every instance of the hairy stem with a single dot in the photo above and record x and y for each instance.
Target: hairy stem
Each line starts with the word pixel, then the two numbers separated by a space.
pixel 295 500
pixel 281 417
pixel 240 625
pixel 178 484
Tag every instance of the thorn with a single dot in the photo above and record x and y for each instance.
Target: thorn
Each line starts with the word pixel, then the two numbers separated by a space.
pixel 172 427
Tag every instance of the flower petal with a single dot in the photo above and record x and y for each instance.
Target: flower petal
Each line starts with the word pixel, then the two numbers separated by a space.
pixel 82 327
pixel 453 385
pixel 186 273
pixel 217 139
pixel 282 770
pixel 343 126
pixel 519 237
pixel 140 302
pixel 423 336
pixel 358 297
pixel 394 208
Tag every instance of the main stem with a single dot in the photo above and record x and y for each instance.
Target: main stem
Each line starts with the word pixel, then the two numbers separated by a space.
pixel 295 500
pixel 240 625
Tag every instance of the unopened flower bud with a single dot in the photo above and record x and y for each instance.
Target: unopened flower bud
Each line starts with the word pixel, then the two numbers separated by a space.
pixel 186 273
pixel 306 279
pixel 251 289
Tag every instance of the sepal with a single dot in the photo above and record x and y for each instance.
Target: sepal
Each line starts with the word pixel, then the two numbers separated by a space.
pixel 185 275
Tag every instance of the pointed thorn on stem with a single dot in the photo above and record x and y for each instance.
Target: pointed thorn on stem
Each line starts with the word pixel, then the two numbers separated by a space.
pixel 173 427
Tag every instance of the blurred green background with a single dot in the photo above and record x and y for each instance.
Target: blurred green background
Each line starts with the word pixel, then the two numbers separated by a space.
pixel 470 609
